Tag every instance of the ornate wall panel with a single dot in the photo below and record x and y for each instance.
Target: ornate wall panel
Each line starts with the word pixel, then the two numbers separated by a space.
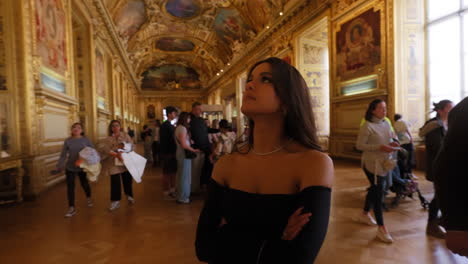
pixel 3 61
pixel 49 97
pixel 312 61
pixel 346 119
pixel 410 89
pixel 103 123
pixel 362 67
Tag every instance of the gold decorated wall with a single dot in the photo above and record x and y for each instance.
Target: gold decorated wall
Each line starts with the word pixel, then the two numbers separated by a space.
pixel 60 68
pixel 357 68
pixel 74 64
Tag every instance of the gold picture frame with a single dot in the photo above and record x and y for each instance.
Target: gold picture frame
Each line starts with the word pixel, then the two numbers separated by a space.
pixel 359 48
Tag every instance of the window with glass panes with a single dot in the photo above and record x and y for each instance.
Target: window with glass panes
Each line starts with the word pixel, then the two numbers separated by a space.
pixel 447 36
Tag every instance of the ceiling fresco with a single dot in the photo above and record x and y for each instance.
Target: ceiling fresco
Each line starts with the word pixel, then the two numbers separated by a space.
pixel 183 8
pixel 130 18
pixel 170 77
pixel 174 44
pixel 204 35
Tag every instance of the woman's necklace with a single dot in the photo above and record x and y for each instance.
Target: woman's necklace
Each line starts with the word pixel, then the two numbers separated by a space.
pixel 271 152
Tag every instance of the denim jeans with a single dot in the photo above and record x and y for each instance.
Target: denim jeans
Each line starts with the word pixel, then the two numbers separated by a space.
pixel 184 179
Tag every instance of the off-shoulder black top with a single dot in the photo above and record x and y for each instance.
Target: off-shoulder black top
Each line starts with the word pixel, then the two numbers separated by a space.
pixel 255 223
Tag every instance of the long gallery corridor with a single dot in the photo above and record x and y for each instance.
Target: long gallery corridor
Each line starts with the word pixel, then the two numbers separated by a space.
pixel 158 231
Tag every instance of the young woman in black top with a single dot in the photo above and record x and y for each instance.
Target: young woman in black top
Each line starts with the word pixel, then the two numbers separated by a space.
pixel 269 202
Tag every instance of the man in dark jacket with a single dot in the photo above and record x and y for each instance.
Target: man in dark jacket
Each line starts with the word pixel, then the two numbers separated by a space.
pixel 168 149
pixel 451 179
pixel 433 133
pixel 199 135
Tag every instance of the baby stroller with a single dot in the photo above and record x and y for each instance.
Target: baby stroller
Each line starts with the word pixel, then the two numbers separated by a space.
pixel 403 185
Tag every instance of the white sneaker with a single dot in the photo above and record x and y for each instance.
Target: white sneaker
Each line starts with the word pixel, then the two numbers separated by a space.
pixel 114 205
pixel 383 235
pixel 130 200
pixel 365 219
pixel 71 212
pixel 90 202
pixel 187 201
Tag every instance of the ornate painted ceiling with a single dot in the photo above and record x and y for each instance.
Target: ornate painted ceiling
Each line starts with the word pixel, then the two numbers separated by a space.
pixel 182 44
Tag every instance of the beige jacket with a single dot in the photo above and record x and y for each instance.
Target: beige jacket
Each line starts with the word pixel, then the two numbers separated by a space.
pixel 112 144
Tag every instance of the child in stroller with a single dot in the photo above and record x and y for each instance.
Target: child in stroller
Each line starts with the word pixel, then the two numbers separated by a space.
pixel 403 184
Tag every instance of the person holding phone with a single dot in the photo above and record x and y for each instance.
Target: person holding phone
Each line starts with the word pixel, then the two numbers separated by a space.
pixel 376 141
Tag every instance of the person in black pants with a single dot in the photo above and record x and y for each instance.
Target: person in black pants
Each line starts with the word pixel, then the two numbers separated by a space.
pixel 168 149
pixel 199 134
pixel 433 133
pixel 111 156
pixel 376 140
pixel 451 181
pixel 71 147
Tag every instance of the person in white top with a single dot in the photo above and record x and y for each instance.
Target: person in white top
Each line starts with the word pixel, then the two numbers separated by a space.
pixel 224 142
pixel 402 129
pixel 375 140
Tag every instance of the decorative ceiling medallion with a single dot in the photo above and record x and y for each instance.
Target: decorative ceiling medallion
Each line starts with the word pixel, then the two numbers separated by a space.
pixel 174 44
pixel 170 77
pixel 183 8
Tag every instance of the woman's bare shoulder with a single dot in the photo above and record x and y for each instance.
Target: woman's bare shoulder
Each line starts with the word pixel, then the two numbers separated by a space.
pixel 224 167
pixel 316 169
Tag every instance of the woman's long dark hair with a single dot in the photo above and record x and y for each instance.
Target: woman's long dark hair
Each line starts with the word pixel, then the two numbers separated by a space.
pixel 372 107
pixel 291 88
pixel 109 129
pixel 183 117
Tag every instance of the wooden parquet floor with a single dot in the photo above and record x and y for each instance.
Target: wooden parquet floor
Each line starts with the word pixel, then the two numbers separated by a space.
pixel 158 231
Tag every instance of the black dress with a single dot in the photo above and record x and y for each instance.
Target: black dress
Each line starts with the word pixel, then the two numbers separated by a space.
pixel 255 223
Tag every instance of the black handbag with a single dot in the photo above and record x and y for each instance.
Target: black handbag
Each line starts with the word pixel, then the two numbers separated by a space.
pixel 190 154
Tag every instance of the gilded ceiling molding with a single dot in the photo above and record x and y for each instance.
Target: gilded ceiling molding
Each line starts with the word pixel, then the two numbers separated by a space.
pixel 341 7
pixel 162 94
pixel 280 31
pixel 104 14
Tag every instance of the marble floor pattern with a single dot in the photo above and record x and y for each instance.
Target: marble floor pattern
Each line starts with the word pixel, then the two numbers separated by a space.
pixel 158 231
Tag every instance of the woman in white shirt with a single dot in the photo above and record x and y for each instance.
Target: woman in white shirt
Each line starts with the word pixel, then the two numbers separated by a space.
pixel 375 139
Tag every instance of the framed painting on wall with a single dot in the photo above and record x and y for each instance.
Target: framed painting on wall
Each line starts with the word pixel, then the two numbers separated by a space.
pixel 50 33
pixel 359 47
pixel 100 80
